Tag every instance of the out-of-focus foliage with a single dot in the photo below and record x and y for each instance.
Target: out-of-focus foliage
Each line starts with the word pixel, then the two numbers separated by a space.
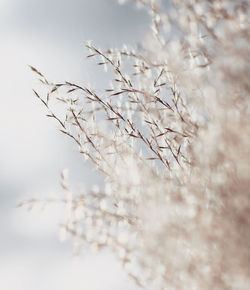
pixel 170 134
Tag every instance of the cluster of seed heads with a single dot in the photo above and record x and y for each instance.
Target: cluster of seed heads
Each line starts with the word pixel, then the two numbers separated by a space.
pixel 170 135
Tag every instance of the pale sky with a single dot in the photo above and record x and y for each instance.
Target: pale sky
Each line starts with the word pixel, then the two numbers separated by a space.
pixel 50 34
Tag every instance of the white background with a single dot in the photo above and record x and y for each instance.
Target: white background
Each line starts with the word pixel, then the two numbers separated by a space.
pixel 50 35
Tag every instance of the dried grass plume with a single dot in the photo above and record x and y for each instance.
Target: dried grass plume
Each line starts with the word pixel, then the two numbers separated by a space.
pixel 170 135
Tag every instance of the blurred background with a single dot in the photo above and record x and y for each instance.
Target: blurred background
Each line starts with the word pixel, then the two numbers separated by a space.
pixel 50 35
